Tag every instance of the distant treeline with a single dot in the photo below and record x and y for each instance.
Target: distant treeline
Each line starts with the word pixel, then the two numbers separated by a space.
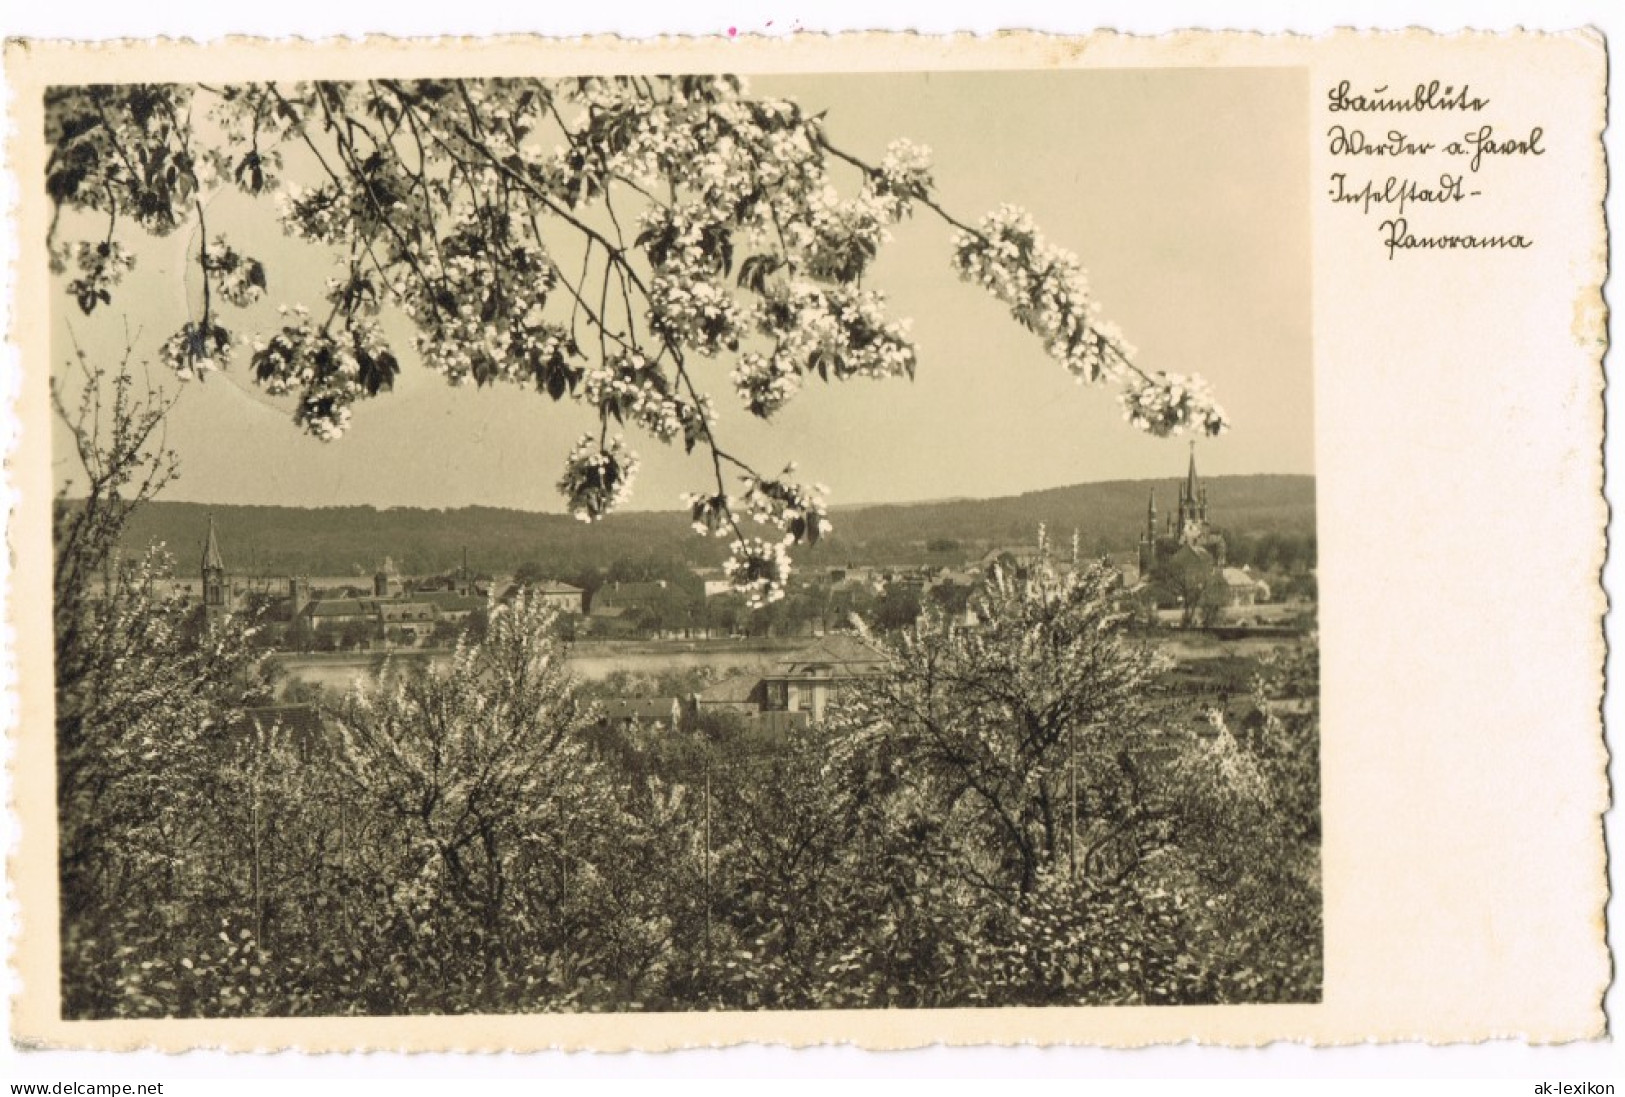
pixel 1108 518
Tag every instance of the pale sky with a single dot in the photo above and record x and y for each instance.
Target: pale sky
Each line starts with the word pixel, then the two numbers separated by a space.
pixel 1184 192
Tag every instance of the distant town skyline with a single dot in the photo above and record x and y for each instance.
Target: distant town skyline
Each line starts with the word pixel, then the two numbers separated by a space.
pixel 1184 193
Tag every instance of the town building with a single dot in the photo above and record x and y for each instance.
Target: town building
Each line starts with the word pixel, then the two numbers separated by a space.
pixel 797 689
pixel 562 596
pixel 1243 588
pixel 385 608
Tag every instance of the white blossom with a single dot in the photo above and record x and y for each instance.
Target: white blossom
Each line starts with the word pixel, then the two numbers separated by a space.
pixel 597 477
pixel 1048 293
pixel 765 384
pixel 1170 403
pixel 759 570
pixel 800 511
pixel 710 514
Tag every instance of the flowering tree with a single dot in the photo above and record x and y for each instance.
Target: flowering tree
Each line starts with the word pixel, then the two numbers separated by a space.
pixel 116 431
pixel 141 703
pixel 505 871
pixel 601 239
pixel 1248 837
pixel 1009 726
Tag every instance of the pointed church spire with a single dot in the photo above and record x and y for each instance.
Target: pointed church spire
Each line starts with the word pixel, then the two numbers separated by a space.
pixel 1192 484
pixel 211 550
pixel 216 587
pixel 1148 539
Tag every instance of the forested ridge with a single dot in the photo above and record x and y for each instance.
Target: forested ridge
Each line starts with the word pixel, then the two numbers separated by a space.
pixel 1108 516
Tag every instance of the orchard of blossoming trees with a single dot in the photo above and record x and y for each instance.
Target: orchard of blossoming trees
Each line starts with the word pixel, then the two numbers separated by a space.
pixel 594 238
pixel 1016 813
pixel 991 819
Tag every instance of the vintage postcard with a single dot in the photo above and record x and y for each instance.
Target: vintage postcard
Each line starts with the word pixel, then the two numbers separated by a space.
pixel 875 539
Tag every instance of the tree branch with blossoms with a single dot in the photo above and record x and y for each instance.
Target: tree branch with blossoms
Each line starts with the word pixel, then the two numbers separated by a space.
pixel 697 231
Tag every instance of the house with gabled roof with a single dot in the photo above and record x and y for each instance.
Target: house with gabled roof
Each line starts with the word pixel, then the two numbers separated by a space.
pixel 1242 588
pixel 812 677
pixel 804 683
pixel 562 596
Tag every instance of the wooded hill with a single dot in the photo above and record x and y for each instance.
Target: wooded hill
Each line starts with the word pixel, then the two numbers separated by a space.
pixel 331 541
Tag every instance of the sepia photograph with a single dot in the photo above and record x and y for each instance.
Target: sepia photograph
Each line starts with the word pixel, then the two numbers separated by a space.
pixel 696 542
pixel 1033 543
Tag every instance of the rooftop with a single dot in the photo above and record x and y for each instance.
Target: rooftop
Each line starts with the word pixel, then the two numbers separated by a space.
pixel 847 653
pixel 342 607
pixel 734 690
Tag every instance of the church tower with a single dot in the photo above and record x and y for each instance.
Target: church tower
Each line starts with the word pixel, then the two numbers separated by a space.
pixel 216 602
pixel 1192 499
pixel 1185 529
pixel 1148 539
pixel 386 583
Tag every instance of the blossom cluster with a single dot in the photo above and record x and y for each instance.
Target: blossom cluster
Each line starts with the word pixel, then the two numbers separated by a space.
pixel 728 152
pixel 320 214
pixel 375 197
pixel 102 265
pixel 835 331
pixel 1046 289
pixel 597 477
pixel 836 239
pixel 330 373
pixel 115 151
pixel 904 175
pixel 197 348
pixel 360 367
pixel 239 279
pixel 801 512
pixel 710 515
pixel 481 321
pixel 325 412
pixel 758 569
pixel 757 167
pixel 699 136
pixel 1048 293
pixel 842 327
pixel 765 383
pixel 694 312
pixel 631 387
pixel 1171 403
pixel 281 363
pixel 788 160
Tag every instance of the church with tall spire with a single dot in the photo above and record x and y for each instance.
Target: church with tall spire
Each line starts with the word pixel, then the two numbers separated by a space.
pixel 1192 499
pixel 1186 528
pixel 216 586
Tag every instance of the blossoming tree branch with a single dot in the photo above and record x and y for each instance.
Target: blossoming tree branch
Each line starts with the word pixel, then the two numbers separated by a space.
pixel 623 242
